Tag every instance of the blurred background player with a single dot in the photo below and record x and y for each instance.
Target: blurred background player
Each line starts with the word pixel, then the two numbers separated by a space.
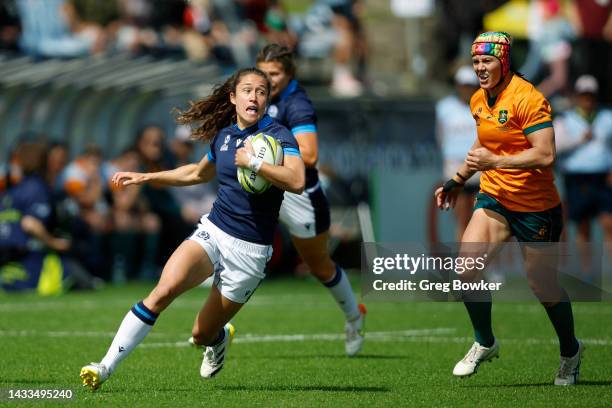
pixel 197 199
pixel 306 216
pixel 515 151
pixel 234 240
pixel 584 142
pixel 455 133
pixel 154 156
pixel 351 48
pixel 28 250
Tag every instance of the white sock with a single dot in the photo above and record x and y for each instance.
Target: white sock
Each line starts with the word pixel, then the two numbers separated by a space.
pixel 341 290
pixel 131 332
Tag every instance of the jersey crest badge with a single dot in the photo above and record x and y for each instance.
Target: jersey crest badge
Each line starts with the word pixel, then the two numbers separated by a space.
pixel 503 116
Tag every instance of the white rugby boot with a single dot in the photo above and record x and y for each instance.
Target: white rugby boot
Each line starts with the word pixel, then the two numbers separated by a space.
pixel 355 333
pixel 214 356
pixel 468 365
pixel 569 370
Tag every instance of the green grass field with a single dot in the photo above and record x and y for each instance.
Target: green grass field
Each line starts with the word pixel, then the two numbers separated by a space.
pixel 289 352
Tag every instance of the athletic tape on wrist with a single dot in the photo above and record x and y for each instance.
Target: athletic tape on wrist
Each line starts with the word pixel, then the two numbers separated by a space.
pixel 450 184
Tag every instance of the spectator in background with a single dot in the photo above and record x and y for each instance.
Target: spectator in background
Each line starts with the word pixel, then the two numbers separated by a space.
pixel 197 199
pixel 52 29
pixel 134 240
pixel 10 173
pixel 461 21
pixel 83 212
pixel 159 198
pixel 9 26
pixel 58 157
pixel 592 21
pixel 270 19
pixel 584 144
pixel 82 183
pixel 550 49
pixel 455 133
pixel 350 47
pixel 28 251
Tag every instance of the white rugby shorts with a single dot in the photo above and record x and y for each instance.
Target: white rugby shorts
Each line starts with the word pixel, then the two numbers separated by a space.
pixel 305 215
pixel 238 265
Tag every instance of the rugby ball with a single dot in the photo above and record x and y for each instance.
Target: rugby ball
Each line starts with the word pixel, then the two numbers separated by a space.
pixel 270 150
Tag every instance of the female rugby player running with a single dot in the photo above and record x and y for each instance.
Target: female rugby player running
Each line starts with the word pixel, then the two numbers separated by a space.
pixel 233 242
pixel 306 215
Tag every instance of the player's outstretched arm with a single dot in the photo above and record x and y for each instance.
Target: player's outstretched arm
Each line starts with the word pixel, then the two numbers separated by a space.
pixel 181 176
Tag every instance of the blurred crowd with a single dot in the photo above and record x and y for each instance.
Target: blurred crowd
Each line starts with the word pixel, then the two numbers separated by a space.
pixel 227 32
pixel 64 224
pixel 100 231
pixel 557 40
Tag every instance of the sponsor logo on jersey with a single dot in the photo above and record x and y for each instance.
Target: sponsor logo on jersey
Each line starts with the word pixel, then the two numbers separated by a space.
pixel 203 235
pixel 224 147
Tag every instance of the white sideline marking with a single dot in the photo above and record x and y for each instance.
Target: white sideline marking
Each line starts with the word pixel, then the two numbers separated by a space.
pixel 410 336
pixel 195 304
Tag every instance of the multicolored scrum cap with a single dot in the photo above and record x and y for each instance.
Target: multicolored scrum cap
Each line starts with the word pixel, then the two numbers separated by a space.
pixel 497 44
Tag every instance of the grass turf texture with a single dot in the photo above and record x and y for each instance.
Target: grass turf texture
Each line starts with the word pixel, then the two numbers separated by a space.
pixel 45 341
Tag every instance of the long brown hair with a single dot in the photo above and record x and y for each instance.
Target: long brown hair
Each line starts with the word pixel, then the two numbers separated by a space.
pixel 216 111
pixel 278 53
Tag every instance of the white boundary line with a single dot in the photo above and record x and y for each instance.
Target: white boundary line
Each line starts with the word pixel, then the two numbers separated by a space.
pixel 436 335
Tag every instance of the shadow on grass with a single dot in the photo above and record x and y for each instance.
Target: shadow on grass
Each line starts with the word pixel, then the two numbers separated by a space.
pixel 330 388
pixel 132 390
pixel 325 357
pixel 527 385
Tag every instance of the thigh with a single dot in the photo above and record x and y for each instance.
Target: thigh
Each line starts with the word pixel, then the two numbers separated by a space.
pixel 314 251
pixel 485 233
pixel 486 226
pixel 188 266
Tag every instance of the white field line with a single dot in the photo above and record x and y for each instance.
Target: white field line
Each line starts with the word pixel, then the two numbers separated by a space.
pixel 369 338
pixel 435 335
pixel 604 308
pixel 177 304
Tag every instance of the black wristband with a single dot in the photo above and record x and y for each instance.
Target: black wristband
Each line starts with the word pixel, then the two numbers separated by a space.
pixel 449 185
pixel 461 177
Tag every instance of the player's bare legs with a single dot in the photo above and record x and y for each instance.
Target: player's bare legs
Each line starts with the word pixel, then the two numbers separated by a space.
pixel 188 266
pixel 314 251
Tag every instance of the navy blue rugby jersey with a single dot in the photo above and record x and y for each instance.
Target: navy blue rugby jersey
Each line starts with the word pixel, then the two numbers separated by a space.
pixel 294 110
pixel 31 197
pixel 250 217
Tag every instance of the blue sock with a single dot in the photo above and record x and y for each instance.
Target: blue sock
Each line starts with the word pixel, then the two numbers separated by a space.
pixel 144 314
pixel 219 338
